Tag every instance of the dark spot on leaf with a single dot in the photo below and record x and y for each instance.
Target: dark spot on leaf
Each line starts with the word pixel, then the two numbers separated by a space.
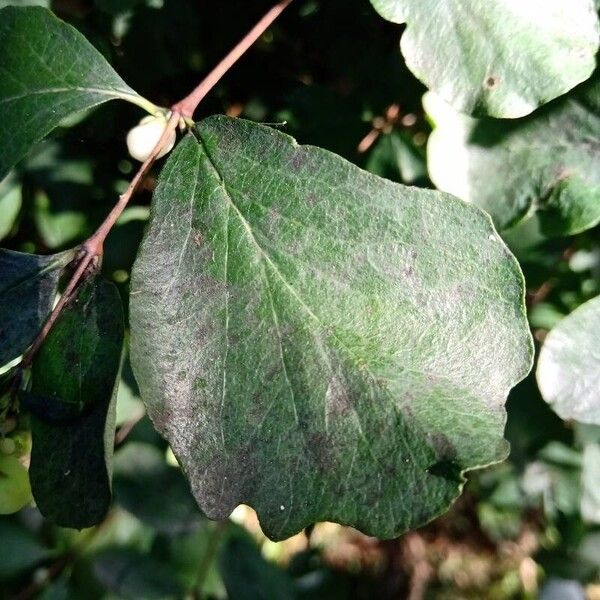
pixel 491 82
pixel 447 469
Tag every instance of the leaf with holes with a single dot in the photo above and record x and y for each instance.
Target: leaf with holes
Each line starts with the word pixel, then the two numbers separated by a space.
pixel 542 167
pixel 317 342
pixel 48 71
pixel 502 58
pixel 73 408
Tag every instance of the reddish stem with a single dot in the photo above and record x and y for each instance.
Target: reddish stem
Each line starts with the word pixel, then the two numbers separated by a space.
pixel 188 105
pixel 94 246
pixel 184 109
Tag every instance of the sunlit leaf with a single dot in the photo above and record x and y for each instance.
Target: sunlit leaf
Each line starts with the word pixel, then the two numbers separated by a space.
pixel 544 166
pixel 48 71
pixel 503 58
pixel 318 342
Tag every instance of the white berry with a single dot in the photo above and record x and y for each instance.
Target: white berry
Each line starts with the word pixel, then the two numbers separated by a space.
pixel 142 139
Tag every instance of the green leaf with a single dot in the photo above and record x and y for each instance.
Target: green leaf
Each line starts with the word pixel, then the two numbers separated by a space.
pixel 28 286
pixel 396 157
pixel 76 367
pixel 48 71
pixel 568 371
pixel 15 491
pixel 134 575
pixel 20 549
pixel 318 342
pixel 153 491
pixel 73 401
pixel 249 576
pixel 10 205
pixel 503 58
pixel 590 483
pixel 543 166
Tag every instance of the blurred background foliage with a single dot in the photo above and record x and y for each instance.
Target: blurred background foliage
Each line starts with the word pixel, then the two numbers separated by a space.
pixel 330 74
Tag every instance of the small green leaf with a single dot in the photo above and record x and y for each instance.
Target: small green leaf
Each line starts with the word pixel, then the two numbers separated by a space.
pixel 48 71
pixel 75 368
pixel 316 341
pixel 503 58
pixel 568 371
pixel 28 286
pixel 15 491
pixel 543 166
pixel 396 157
pixel 73 377
pixel 10 205
pixel 153 491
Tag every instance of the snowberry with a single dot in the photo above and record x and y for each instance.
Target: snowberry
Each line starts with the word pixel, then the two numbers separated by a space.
pixel 142 139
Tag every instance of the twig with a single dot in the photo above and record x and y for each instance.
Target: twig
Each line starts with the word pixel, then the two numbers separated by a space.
pixel 380 125
pixel 187 106
pixel 92 249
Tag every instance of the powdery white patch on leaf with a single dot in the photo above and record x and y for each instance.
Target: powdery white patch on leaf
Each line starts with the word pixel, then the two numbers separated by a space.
pixel 317 342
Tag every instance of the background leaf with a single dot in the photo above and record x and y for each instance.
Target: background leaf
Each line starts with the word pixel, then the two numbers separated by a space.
pixel 503 58
pixel 71 460
pixel 313 342
pixel 29 282
pixel 141 477
pixel 48 71
pixel 568 371
pixel 544 165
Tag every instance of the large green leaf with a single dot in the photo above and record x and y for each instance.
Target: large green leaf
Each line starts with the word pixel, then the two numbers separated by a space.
pixel 503 58
pixel 48 71
pixel 318 342
pixel 73 406
pixel 28 285
pixel 568 371
pixel 545 165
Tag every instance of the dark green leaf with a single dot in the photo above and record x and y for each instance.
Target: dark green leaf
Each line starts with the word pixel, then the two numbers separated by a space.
pixel 545 165
pixel 318 342
pixel 48 71
pixel 153 491
pixel 20 549
pixel 248 576
pixel 504 58
pixel 28 286
pixel 134 575
pixel 73 377
pixel 568 371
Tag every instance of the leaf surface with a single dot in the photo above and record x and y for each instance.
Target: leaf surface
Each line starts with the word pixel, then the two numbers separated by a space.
pixel 73 406
pixel 28 285
pixel 318 342
pixel 502 58
pixel 568 371
pixel 542 166
pixel 48 71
